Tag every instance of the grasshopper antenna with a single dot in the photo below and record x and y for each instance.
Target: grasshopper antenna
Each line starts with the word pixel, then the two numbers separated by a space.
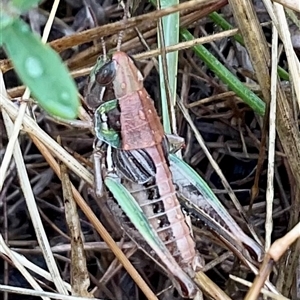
pixel 126 14
pixel 103 48
pixel 120 40
pixel 94 21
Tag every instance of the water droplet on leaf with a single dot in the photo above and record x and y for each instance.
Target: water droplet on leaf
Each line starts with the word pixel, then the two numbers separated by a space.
pixel 65 97
pixel 34 67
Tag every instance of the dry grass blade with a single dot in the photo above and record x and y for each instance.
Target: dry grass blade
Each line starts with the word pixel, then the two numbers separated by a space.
pixel 12 140
pixel 80 280
pixel 29 265
pixel 187 44
pixel 93 246
pixel 209 287
pixel 294 65
pixel 279 19
pixel 272 137
pixel 292 4
pixel 31 204
pixel 23 291
pixel 263 291
pixel 258 50
pixel 4 249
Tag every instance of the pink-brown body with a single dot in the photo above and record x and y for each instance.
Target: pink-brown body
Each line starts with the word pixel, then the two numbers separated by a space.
pixel 141 129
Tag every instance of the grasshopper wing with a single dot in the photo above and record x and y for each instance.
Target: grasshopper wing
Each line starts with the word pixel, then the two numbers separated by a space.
pixel 197 198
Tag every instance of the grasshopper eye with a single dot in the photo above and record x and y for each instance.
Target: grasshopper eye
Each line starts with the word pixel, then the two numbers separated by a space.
pixel 106 74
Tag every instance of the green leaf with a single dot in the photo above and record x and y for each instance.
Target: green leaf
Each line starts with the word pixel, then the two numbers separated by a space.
pixel 42 70
pixel 5 20
pixel 24 5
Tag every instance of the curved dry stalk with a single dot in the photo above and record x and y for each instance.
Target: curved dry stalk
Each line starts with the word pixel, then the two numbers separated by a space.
pixel 80 279
pixel 278 248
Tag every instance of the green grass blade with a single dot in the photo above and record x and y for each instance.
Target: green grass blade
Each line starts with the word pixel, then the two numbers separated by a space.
pixel 170 25
pixel 226 76
pixel 219 20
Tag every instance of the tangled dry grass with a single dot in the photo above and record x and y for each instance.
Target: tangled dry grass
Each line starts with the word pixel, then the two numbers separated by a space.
pixel 239 141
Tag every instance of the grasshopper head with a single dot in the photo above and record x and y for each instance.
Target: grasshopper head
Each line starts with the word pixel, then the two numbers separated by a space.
pixel 128 79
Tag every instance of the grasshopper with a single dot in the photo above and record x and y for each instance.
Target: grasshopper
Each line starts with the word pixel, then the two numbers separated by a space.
pixel 151 184
pixel 141 160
